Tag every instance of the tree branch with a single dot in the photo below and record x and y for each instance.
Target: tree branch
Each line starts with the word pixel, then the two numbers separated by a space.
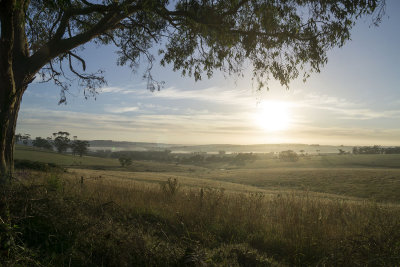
pixel 78 58
pixel 56 47
pixel 235 9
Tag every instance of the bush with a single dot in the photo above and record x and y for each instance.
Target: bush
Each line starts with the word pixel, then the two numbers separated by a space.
pixel 36 165
pixel 288 155
pixel 170 187
pixel 125 161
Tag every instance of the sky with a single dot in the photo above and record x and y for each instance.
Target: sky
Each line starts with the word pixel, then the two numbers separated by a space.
pixel 355 100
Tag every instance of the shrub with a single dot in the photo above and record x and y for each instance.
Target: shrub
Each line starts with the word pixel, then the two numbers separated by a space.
pixel 288 155
pixel 36 165
pixel 125 161
pixel 170 187
pixel 112 222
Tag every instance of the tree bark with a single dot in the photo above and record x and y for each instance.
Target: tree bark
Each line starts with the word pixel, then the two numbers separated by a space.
pixel 5 170
pixel 8 121
pixel 14 78
pixel 10 100
pixel 10 137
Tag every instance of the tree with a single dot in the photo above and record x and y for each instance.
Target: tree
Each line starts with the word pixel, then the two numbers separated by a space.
pixel 288 155
pixel 125 161
pixel 80 147
pixel 61 141
pixel 25 138
pixel 42 143
pixel 281 39
pixel 18 137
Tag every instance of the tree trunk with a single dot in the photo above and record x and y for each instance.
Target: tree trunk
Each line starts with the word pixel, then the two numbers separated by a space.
pixel 10 138
pixel 14 78
pixel 8 121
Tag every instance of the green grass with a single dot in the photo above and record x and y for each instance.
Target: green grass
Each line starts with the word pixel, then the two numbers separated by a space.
pixel 323 161
pixel 89 162
pixel 332 161
pixel 29 153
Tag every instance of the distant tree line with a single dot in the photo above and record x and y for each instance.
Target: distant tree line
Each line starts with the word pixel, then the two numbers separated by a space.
pixel 376 150
pixel 60 142
pixel 239 159
pixel 125 157
pixel 42 143
pixel 144 155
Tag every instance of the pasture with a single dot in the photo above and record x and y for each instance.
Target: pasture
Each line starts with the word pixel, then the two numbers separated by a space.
pixel 372 177
pixel 337 210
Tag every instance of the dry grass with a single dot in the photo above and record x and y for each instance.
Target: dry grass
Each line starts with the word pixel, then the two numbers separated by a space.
pixel 119 222
pixel 375 184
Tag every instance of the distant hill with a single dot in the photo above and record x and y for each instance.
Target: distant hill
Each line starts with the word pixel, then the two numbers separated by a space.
pixel 122 145
pixel 214 148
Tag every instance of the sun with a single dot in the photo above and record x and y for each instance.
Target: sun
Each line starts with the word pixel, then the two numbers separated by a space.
pixel 273 116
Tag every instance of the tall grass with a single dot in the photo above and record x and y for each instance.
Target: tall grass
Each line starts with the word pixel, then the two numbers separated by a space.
pixel 110 222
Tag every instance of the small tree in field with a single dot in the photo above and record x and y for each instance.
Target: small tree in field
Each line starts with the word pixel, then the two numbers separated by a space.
pixel 125 161
pixel 61 141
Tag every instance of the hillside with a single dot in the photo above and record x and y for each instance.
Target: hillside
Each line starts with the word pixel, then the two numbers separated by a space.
pixel 213 148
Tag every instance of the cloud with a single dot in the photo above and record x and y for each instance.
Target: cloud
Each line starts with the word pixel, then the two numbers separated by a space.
pixel 213 115
pixel 218 95
pixel 345 109
pixel 112 90
pixel 247 100
pixel 211 94
pixel 206 127
pixel 120 109
pixel 137 88
pixel 120 90
pixel 123 127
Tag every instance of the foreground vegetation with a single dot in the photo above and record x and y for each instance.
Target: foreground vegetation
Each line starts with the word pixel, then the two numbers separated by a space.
pixel 332 210
pixel 53 219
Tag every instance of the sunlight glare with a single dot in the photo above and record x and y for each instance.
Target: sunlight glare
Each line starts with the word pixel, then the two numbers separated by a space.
pixel 273 116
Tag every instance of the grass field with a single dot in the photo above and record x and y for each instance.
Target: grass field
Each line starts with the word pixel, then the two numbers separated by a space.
pixel 333 161
pixel 88 162
pixel 334 211
pixel 46 156
pixel 373 177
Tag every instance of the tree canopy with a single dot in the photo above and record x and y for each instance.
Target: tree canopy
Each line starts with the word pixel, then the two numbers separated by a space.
pixel 42 143
pixel 280 39
pixel 80 147
pixel 61 141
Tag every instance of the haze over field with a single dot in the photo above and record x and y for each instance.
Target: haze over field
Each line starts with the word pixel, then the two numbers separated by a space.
pixel 353 101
